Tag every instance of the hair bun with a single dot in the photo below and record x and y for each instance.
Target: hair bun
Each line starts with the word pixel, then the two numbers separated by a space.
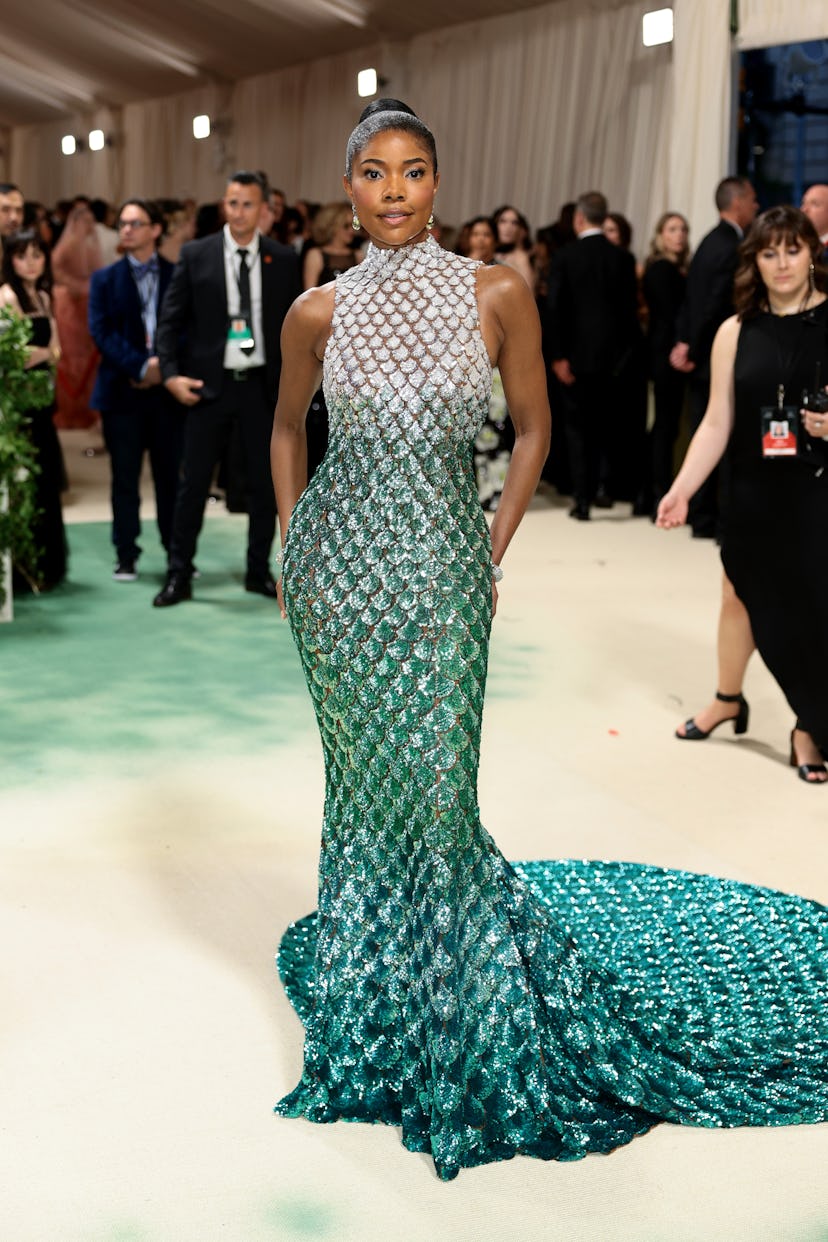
pixel 385 105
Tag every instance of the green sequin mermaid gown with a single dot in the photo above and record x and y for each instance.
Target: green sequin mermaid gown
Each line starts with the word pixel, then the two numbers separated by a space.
pixel 489 1009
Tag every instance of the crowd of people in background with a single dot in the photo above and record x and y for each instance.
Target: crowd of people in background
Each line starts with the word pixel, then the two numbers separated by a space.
pixel 627 341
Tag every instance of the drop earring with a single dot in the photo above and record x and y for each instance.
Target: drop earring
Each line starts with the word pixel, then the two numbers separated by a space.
pixel 355 224
pixel 811 281
pixel 430 222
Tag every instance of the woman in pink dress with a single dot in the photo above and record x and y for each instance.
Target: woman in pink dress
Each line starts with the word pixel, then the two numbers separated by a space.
pixel 75 257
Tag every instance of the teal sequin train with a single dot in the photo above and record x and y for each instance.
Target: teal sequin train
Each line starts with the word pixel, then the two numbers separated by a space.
pixel 489 1009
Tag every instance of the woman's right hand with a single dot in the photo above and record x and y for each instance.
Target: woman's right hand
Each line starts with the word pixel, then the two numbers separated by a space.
pixel 672 511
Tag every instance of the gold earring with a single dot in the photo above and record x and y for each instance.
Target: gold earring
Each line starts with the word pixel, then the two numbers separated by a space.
pixel 355 224
pixel 430 223
pixel 811 281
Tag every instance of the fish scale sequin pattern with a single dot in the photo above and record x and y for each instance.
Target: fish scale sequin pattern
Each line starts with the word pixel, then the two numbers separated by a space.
pixel 488 1010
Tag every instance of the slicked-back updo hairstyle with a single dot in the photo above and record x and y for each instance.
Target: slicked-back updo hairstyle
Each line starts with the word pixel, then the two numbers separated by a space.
pixel 380 116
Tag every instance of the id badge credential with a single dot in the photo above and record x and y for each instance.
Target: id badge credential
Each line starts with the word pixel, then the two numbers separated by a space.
pixel 780 430
pixel 239 334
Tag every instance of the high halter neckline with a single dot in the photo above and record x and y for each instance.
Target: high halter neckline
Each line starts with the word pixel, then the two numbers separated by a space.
pixel 390 259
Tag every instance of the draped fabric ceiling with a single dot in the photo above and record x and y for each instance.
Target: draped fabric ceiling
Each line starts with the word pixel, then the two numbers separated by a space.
pixel 56 58
pixel 529 106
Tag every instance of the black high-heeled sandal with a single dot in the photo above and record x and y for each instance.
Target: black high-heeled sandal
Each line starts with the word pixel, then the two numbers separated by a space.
pixel 805 770
pixel 692 732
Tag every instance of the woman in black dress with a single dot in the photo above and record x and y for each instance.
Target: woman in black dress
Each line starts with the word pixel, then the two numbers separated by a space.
pixel 766 358
pixel 25 290
pixel 335 251
pixel 663 286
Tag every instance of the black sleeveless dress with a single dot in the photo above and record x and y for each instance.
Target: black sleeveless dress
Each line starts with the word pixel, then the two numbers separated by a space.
pixel 773 545
pixel 316 424
pixel 49 532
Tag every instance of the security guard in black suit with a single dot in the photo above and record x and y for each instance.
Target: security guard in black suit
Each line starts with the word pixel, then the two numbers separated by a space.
pixel 218 347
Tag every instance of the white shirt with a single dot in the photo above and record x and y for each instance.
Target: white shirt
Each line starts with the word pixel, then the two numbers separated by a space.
pixel 234 359
pixel 590 233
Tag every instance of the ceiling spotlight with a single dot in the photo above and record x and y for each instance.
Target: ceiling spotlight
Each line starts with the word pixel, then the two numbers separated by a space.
pixel 201 127
pixel 657 27
pixel 68 144
pixel 366 83
pixel 97 140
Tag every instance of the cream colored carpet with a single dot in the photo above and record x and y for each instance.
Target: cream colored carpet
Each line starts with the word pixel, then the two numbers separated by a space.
pixel 144 1035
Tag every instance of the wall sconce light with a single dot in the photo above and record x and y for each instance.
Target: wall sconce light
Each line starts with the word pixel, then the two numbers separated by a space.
pixel 657 27
pixel 68 144
pixel 201 127
pixel 366 83
pixel 369 82
pixel 97 140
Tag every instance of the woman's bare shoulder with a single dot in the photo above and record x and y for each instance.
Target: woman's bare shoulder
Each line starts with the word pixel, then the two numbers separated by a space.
pixel 308 322
pixel 497 282
pixel 314 306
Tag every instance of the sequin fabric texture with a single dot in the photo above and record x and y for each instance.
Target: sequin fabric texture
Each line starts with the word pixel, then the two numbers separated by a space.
pixel 488 1009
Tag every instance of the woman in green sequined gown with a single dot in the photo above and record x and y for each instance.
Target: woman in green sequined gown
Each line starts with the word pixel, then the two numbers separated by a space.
pixel 488 1009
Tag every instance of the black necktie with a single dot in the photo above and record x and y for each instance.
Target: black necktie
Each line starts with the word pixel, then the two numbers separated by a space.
pixel 244 292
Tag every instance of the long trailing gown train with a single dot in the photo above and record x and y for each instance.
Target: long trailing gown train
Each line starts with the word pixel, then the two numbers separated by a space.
pixel 489 1009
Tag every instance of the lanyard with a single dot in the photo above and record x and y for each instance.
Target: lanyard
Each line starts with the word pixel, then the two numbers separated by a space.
pixel 786 363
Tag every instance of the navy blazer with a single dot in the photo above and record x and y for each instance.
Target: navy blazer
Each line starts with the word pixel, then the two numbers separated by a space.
pixel 192 329
pixel 118 331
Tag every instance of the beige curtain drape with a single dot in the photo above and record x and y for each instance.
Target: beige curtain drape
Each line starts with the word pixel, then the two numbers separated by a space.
pixel 37 166
pixel 763 23
pixel 701 109
pixel 529 108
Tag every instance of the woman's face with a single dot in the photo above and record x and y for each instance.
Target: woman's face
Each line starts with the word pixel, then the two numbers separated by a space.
pixel 81 217
pixel 508 228
pixel 482 242
pixel 29 265
pixel 673 236
pixel 343 234
pixel 392 187
pixel 611 231
pixel 785 269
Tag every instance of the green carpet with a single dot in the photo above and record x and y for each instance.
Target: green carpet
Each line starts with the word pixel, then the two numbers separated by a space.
pixel 93 678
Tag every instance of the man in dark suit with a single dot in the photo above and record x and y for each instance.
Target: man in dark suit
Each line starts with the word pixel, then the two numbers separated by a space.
pixel 218 345
pixel 11 209
pixel 592 330
pixel 138 413
pixel 708 302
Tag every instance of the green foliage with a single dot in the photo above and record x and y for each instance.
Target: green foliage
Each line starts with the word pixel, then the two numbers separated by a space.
pixel 20 390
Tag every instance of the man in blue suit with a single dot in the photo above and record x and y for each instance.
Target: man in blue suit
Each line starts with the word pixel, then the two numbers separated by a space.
pixel 138 413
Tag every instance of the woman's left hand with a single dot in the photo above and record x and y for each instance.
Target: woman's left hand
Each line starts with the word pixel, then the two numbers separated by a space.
pixel 815 423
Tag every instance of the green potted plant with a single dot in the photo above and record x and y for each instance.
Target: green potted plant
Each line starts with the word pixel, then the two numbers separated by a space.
pixel 20 390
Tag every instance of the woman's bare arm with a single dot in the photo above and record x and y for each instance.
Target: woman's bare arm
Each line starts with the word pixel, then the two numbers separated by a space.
pixel 710 441
pixel 511 329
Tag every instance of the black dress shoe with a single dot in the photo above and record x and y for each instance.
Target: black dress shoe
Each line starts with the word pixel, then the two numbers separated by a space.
pixel 175 590
pixel 580 513
pixel 261 586
pixel 603 500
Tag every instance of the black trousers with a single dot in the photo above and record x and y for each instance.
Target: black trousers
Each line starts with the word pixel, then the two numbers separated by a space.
pixel 246 406
pixel 703 513
pixel 589 406
pixel 48 533
pixel 150 422
pixel 668 395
